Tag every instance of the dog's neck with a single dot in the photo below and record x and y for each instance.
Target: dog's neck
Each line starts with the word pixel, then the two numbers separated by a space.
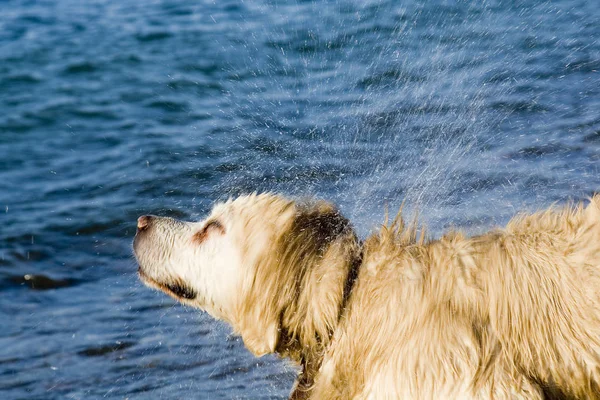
pixel 306 336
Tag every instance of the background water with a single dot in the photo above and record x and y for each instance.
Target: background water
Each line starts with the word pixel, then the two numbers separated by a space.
pixel 112 109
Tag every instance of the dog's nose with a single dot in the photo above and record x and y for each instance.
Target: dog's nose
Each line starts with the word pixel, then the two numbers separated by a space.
pixel 143 222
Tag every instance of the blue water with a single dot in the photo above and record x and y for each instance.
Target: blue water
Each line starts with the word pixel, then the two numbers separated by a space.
pixel 112 109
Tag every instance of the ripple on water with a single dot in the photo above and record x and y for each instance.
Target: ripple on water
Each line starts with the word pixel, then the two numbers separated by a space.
pixel 593 137
pixel 153 36
pixel 520 106
pixel 105 349
pixel 167 105
pixel 41 282
pixel 91 112
pixel 20 79
pixel 391 78
pixel 550 149
pixel 81 67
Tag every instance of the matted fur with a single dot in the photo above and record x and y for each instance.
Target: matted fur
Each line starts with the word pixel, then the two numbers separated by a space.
pixel 511 314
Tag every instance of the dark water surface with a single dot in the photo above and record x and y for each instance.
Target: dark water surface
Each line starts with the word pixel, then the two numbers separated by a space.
pixel 111 109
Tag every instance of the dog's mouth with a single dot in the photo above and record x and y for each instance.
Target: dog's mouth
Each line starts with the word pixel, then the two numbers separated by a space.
pixel 177 290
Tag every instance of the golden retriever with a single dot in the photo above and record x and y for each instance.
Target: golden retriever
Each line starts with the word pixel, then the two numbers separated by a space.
pixel 511 314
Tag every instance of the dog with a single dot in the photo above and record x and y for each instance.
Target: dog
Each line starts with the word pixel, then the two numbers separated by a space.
pixel 510 314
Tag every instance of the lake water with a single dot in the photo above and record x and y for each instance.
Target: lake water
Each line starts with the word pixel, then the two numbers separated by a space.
pixel 113 109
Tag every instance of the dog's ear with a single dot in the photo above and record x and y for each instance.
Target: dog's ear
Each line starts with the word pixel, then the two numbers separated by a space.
pixel 288 271
pixel 325 250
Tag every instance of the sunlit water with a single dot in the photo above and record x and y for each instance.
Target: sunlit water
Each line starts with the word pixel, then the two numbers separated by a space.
pixel 111 109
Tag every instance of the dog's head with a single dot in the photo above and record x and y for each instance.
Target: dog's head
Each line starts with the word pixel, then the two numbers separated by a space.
pixel 254 262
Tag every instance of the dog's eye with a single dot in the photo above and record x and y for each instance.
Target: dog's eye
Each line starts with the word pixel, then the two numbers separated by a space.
pixel 211 226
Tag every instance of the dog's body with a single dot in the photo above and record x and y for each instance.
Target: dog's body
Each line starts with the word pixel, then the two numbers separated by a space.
pixel 511 314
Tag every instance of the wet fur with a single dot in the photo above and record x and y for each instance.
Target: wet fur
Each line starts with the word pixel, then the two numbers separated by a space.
pixel 514 313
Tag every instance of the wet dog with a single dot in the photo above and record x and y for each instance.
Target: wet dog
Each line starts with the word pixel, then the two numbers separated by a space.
pixel 514 313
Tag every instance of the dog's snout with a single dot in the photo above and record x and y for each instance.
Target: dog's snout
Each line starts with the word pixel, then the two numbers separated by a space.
pixel 143 222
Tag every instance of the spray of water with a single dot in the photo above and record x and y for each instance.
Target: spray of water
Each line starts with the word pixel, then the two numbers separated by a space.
pixel 367 105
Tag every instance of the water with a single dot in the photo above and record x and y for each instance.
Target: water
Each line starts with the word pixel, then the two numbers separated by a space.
pixel 113 109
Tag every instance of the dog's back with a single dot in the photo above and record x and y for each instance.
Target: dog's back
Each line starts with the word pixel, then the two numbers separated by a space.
pixel 510 314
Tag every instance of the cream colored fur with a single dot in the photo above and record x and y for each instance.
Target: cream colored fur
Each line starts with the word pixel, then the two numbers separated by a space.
pixel 512 314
